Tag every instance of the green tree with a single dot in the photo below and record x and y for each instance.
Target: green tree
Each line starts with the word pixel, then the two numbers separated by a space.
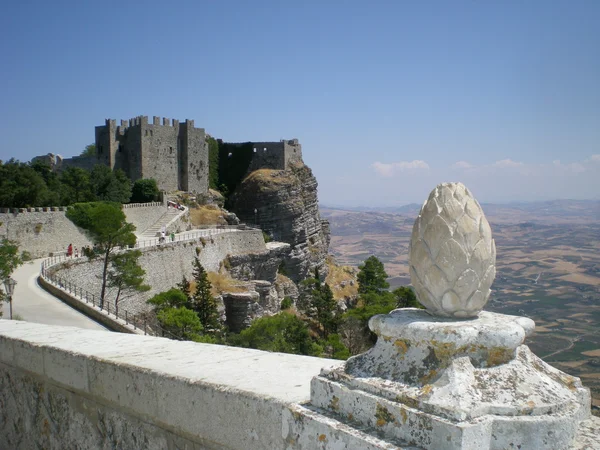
pixel 203 303
pixel 107 228
pixel 321 305
pixel 144 190
pixel 326 308
pixel 109 185
pixel 126 275
pixel 406 298
pixel 173 298
pixel 9 261
pixel 21 186
pixel 89 150
pixel 76 185
pixel 283 332
pixel 335 348
pixel 185 287
pixel 181 322
pixel 51 195
pixel 372 276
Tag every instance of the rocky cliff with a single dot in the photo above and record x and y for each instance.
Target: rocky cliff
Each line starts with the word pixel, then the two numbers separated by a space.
pixel 284 204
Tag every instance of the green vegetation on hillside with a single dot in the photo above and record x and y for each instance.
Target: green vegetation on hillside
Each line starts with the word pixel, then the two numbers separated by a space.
pixel 190 313
pixel 24 185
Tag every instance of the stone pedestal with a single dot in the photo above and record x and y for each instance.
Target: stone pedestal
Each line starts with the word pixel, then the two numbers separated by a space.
pixel 441 383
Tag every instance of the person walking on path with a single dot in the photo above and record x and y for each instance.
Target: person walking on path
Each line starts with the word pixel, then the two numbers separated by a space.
pixel 70 250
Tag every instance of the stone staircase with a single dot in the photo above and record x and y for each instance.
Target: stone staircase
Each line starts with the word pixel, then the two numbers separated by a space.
pixel 154 230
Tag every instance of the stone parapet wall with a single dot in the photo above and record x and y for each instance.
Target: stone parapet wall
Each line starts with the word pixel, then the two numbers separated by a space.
pixel 144 215
pixel 63 387
pixel 41 232
pixel 166 264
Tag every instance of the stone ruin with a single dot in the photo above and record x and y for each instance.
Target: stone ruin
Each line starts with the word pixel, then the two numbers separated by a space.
pixel 453 376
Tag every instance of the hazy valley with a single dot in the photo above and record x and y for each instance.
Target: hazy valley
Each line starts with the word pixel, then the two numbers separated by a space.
pixel 548 268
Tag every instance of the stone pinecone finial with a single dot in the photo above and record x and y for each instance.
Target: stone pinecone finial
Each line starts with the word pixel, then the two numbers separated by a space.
pixel 452 255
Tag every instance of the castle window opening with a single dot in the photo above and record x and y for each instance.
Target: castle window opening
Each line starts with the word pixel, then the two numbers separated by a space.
pixel 265 149
pixel 254 149
pixel 101 148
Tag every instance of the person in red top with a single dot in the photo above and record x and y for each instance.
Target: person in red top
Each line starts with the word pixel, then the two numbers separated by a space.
pixel 70 250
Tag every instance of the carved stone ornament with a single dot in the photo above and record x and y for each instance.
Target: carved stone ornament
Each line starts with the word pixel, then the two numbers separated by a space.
pixel 454 377
pixel 452 256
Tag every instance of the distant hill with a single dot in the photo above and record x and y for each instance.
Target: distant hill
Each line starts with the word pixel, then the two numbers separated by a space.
pixel 547 212
pixel 548 268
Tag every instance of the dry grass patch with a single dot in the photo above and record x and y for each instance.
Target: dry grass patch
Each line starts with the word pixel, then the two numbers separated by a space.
pixel 223 282
pixel 339 279
pixel 207 215
pixel 270 178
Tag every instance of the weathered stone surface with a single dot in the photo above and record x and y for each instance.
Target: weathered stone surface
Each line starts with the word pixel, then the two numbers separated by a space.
pixel 166 264
pixel 259 265
pixel 447 384
pixel 413 347
pixel 287 209
pixel 240 309
pixel 82 389
pixel 452 256
pixel 441 379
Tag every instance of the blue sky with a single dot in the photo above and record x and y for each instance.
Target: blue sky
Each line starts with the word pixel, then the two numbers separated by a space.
pixel 388 98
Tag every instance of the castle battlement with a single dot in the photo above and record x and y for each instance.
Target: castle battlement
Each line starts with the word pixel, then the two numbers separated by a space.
pixel 173 153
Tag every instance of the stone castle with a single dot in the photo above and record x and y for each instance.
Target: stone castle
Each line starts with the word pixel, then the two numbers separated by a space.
pixel 173 153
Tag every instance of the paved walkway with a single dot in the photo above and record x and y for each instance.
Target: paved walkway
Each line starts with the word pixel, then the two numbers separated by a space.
pixel 34 304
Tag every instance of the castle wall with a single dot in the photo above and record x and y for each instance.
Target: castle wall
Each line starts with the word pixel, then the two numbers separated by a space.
pixel 274 155
pixel 106 143
pixel 267 155
pixel 166 264
pixel 82 162
pixel 129 151
pixel 160 154
pixel 196 164
pixel 174 154
pixel 143 216
pixel 42 232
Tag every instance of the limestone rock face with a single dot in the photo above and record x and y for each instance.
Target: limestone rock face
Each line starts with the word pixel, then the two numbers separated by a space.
pixel 284 204
pixel 452 256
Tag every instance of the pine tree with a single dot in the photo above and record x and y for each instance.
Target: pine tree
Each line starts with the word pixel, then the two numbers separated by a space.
pixel 325 308
pixel 184 286
pixel 372 277
pixel 203 303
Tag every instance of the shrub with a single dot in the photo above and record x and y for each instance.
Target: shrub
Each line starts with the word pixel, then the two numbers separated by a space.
pixel 144 190
pixel 286 303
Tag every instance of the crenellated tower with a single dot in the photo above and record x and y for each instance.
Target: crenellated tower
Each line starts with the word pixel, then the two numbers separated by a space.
pixel 174 153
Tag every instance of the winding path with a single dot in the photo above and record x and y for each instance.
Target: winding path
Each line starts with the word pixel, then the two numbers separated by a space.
pixel 33 304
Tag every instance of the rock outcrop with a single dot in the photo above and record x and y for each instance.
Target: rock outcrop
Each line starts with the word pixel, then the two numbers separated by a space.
pixel 284 204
